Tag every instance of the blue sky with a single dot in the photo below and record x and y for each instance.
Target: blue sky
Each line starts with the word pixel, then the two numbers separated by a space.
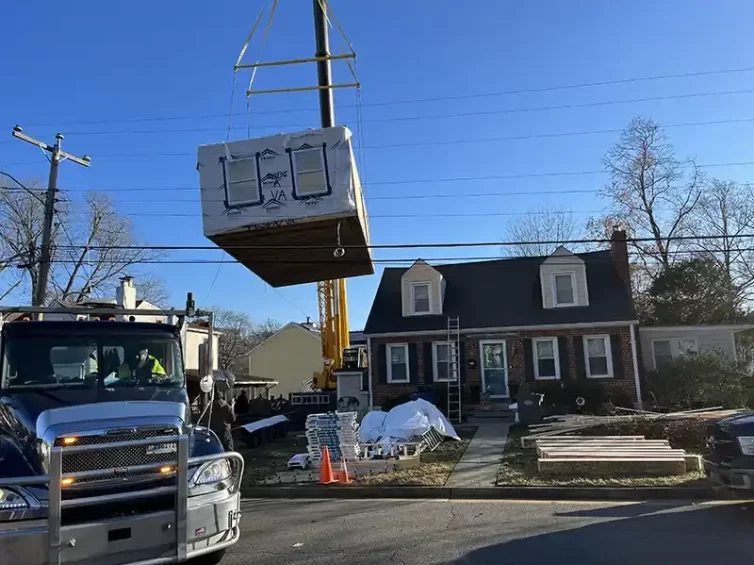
pixel 100 72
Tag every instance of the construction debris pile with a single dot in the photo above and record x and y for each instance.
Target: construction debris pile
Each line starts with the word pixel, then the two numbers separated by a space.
pixel 338 431
pixel 561 450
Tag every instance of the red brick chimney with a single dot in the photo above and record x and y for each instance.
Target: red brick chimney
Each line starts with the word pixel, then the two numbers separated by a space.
pixel 619 251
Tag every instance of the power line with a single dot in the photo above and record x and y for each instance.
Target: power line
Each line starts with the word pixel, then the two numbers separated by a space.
pixel 471 96
pixel 457 244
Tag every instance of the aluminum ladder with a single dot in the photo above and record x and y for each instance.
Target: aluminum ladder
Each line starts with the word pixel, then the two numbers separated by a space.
pixel 454 370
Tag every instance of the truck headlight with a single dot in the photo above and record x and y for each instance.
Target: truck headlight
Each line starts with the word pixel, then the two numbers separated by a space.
pixel 11 500
pixel 212 472
pixel 747 444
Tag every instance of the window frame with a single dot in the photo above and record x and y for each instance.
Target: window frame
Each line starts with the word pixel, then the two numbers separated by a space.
pixel 556 358
pixel 414 285
pixel 227 183
pixel 608 354
pixel 669 341
pixel 572 276
pixel 436 362
pixel 390 379
pixel 322 150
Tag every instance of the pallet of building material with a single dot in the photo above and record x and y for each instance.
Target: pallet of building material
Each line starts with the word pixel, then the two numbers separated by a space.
pixel 657 445
pixel 609 467
pixel 336 430
pixel 693 462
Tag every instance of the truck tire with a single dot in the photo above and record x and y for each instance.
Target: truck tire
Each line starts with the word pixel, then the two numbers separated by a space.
pixel 209 558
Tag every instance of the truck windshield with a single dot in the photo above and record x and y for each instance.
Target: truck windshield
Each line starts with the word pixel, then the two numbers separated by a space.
pixel 92 362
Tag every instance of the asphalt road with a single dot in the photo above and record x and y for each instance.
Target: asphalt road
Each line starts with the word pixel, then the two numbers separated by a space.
pixel 408 532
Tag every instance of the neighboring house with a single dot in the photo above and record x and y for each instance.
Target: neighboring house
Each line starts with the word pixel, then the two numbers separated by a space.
pixel 291 356
pixel 566 317
pixel 664 343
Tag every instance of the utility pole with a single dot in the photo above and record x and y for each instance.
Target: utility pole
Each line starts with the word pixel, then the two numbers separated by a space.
pixel 56 156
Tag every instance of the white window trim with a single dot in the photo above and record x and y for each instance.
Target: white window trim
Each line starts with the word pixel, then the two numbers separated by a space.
pixel 556 353
pixel 608 353
pixel 390 364
pixel 296 171
pixel 436 360
pixel 228 183
pixel 428 284
pixel 654 350
pixel 555 302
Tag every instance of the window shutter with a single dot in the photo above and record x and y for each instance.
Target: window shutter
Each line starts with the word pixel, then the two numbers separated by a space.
pixel 413 365
pixel 429 364
pixel 528 360
pixel 578 346
pixel 381 364
pixel 565 366
pixel 615 345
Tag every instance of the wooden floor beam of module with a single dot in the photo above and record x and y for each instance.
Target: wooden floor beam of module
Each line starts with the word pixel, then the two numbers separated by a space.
pixel 693 462
pixel 530 440
pixel 602 448
pixel 310 255
pixel 602 467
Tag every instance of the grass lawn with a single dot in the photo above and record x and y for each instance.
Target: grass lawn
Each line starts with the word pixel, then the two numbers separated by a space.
pixel 519 468
pixel 266 460
pixel 434 469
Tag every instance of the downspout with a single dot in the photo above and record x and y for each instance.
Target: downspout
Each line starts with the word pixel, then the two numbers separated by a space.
pixel 369 371
pixel 635 359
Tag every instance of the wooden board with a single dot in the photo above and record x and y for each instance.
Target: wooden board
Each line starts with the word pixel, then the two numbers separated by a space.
pixel 610 467
pixel 285 267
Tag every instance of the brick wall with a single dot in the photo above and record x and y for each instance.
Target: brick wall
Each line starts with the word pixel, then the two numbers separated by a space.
pixel 471 376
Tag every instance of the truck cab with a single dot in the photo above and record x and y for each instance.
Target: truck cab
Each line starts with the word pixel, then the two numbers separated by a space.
pixel 100 461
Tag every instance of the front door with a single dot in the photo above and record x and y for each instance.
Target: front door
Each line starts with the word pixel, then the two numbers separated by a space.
pixel 494 368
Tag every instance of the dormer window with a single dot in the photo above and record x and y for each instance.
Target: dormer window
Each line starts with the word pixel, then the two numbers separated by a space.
pixel 420 298
pixel 564 285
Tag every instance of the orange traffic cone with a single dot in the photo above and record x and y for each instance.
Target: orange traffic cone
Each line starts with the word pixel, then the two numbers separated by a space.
pixel 344 472
pixel 325 472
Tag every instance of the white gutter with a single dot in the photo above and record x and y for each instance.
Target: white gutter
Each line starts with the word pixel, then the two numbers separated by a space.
pixel 635 358
pixel 369 369
pixel 500 329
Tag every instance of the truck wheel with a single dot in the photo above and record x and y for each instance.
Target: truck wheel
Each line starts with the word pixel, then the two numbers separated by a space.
pixel 209 558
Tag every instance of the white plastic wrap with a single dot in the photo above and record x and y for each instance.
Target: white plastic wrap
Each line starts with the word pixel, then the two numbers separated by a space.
pixel 404 422
pixel 278 180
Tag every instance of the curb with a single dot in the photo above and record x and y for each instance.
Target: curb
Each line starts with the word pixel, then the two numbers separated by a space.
pixel 491 493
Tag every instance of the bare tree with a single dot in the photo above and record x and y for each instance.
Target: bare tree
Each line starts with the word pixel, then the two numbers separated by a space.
pixel 239 335
pixel 152 289
pixel 544 224
pixel 722 220
pixel 651 193
pixel 92 244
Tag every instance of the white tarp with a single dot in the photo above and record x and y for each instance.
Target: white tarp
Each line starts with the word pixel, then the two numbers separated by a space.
pixel 404 422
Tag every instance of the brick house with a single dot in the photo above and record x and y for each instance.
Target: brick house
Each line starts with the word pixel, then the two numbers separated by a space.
pixel 524 322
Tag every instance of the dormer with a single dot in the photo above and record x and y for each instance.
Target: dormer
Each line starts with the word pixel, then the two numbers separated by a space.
pixel 563 279
pixel 422 290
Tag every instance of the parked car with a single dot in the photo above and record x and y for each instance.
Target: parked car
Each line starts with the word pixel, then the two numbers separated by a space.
pixel 729 459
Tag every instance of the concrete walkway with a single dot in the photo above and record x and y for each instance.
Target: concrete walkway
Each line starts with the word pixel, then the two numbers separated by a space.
pixel 479 464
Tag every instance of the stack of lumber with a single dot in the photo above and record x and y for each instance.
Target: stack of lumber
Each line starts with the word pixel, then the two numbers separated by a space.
pixel 336 430
pixel 612 455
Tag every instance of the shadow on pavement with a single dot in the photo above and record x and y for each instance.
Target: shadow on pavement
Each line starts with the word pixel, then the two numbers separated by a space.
pixel 703 535
pixel 626 510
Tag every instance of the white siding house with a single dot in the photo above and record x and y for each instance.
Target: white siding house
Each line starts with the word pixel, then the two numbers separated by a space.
pixel 658 343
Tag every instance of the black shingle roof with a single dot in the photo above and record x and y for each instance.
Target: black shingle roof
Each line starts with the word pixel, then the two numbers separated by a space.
pixel 502 293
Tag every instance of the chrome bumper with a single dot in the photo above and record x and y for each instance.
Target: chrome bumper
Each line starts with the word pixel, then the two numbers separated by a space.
pixel 199 524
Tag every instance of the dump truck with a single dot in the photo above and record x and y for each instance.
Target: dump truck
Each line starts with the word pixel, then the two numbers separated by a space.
pixel 100 461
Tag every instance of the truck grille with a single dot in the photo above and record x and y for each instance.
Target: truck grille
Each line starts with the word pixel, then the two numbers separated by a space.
pixel 119 457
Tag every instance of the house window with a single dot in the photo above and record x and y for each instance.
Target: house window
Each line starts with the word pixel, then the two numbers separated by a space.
pixel 441 360
pixel 686 346
pixel 420 298
pixel 397 363
pixel 546 364
pixel 309 170
pixel 663 352
pixel 564 285
pixel 598 356
pixel 242 186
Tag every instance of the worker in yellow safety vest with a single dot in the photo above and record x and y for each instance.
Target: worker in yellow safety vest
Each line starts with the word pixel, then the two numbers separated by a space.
pixel 143 367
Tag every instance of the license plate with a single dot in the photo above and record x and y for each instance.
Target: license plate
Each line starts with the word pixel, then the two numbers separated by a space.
pixel 162 449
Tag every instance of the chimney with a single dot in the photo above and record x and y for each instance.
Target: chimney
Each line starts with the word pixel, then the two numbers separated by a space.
pixel 619 252
pixel 125 296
